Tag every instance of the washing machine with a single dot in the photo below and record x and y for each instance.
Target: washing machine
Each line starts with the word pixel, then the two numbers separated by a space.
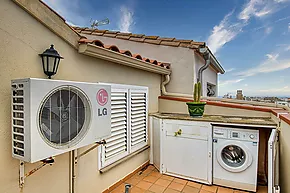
pixel 235 157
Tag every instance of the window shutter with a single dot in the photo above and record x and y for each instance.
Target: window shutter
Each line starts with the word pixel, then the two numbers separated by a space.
pixel 138 118
pixel 116 146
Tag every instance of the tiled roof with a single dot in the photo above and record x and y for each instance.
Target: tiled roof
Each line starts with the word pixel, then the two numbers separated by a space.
pixel 114 48
pixel 141 38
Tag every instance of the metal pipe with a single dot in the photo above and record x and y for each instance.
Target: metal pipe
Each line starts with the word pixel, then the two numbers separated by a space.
pixel 206 55
pixel 127 188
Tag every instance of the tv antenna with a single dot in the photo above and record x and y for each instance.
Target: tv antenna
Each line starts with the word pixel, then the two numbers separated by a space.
pixel 96 23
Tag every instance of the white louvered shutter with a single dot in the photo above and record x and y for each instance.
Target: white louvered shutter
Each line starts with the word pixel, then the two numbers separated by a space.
pixel 138 118
pixel 116 146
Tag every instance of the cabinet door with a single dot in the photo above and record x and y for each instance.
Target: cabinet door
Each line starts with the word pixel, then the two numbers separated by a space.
pixel 188 154
pixel 273 162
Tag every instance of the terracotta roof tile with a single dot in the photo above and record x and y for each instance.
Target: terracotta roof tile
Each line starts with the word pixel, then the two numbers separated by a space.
pixel 151 37
pixel 84 40
pixel 137 39
pixel 142 38
pixel 150 41
pixel 123 37
pixel 110 35
pixel 166 39
pixel 168 43
pixel 137 56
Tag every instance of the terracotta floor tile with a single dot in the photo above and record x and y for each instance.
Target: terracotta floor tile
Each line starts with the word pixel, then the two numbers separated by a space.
pixel 194 184
pixel 147 171
pixel 157 189
pixel 225 190
pixel 133 181
pixel 166 177
pixel 209 188
pixel 204 191
pixel 176 186
pixel 144 185
pixel 180 181
pixel 162 182
pixel 151 179
pixel 150 167
pixel 139 177
pixel 190 189
pixel 168 190
pixel 119 189
pixel 240 191
pixel 262 189
pixel 137 190
pixel 156 174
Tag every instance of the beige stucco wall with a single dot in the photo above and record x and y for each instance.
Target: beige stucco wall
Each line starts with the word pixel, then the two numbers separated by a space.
pixel 170 106
pixel 284 157
pixel 22 38
pixel 184 70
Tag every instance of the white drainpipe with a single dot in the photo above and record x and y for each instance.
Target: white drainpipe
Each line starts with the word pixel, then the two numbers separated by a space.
pixel 164 92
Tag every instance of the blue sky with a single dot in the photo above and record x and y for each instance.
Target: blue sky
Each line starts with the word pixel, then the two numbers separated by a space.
pixel 250 38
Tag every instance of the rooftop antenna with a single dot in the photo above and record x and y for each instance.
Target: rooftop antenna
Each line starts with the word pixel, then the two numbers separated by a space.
pixel 96 23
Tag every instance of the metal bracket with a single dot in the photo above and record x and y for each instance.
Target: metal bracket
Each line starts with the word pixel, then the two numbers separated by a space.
pixel 90 149
pixel 23 176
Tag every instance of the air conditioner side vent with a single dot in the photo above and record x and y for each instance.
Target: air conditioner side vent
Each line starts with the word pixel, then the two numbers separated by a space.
pixel 18 119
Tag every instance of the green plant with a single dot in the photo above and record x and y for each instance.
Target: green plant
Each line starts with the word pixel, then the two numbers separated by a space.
pixel 197 92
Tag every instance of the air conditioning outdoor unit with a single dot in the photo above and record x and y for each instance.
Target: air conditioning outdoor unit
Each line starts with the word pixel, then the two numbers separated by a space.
pixel 51 117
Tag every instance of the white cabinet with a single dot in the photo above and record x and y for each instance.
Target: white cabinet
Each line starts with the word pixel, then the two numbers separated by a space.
pixel 186 154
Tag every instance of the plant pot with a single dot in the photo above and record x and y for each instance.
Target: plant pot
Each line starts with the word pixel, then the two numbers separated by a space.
pixel 196 109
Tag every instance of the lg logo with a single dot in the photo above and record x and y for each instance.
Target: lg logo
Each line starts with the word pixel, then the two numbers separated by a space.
pixel 102 98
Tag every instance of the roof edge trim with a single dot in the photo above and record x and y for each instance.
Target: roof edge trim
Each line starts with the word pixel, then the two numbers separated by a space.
pixel 109 55
pixel 49 18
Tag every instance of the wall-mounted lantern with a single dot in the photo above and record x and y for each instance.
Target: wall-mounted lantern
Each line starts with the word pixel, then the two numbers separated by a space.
pixel 50 61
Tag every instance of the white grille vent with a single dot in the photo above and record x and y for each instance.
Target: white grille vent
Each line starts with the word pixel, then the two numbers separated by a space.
pixel 18 119
pixel 117 143
pixel 138 118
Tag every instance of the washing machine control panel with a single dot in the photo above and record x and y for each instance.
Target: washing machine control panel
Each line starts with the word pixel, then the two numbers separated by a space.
pixel 248 136
pixel 239 134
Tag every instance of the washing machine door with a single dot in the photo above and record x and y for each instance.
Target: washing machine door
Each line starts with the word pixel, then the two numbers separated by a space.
pixel 233 156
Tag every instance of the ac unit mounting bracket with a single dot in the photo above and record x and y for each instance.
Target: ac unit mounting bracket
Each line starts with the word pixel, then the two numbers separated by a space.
pixel 23 176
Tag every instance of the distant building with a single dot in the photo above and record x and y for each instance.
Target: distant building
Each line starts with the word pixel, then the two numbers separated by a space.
pixel 239 95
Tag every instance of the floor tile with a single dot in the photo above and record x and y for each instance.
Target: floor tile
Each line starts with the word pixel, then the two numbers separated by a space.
pixel 137 190
pixel 166 177
pixel 194 184
pixel 209 188
pixel 224 190
pixel 240 191
pixel 162 182
pixel 119 189
pixel 204 191
pixel 180 181
pixel 156 174
pixel 151 179
pixel 157 189
pixel 190 189
pixel 144 185
pixel 147 171
pixel 133 181
pixel 262 189
pixel 176 186
pixel 168 190
pixel 151 167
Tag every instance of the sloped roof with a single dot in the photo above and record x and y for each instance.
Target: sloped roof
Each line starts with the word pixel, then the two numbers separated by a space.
pixel 157 40
pixel 125 52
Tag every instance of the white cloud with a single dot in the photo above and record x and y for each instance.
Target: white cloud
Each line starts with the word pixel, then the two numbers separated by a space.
pixel 271 64
pixel 275 91
pixel 229 82
pixel 126 21
pixel 281 1
pixel 268 30
pixel 258 8
pixel 287 48
pixel 230 70
pixel 223 33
